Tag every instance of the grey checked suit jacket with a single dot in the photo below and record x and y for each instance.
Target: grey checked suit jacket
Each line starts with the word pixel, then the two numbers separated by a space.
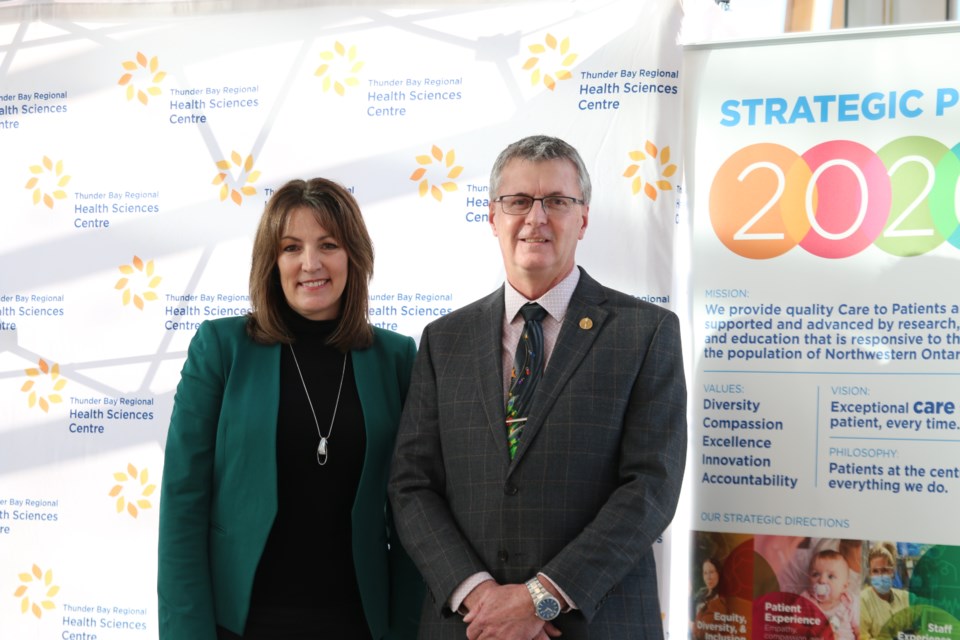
pixel 596 476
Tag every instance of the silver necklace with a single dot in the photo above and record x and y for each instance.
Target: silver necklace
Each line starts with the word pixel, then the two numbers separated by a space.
pixel 322 446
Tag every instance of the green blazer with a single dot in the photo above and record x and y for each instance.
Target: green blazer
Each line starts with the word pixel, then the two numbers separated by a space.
pixel 219 491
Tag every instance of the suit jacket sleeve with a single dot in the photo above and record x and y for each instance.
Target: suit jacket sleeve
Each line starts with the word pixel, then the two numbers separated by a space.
pixel 426 525
pixel 185 597
pixel 652 458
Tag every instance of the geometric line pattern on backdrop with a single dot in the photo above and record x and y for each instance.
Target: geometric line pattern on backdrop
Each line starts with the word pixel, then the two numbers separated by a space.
pixel 40 585
pixel 662 168
pixel 132 481
pixel 556 55
pixel 342 64
pixel 146 72
pixel 445 167
pixel 85 35
pixel 51 174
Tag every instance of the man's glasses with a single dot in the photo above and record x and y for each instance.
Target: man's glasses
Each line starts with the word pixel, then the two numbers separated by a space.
pixel 519 205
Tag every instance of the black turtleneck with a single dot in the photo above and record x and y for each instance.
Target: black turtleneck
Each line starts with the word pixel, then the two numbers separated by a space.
pixel 306 570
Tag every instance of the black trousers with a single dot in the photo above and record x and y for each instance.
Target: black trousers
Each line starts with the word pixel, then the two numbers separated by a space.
pixel 282 623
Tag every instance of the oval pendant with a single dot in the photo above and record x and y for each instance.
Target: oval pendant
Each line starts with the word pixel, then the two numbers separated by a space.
pixel 322 452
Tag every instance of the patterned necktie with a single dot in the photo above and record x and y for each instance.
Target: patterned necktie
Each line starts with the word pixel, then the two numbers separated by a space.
pixel 527 369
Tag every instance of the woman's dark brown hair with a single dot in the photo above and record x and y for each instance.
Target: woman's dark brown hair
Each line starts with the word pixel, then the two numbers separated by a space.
pixel 338 213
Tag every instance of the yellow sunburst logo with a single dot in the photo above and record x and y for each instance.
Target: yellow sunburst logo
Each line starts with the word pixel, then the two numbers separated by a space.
pixel 137 281
pixel 43 375
pixel 554 58
pixel 246 176
pixel 662 167
pixel 132 491
pixel 441 164
pixel 339 68
pixel 36 590
pixel 142 71
pixel 47 182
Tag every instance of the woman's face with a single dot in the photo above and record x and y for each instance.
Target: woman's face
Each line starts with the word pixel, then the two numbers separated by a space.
pixel 711 577
pixel 312 266
pixel 881 575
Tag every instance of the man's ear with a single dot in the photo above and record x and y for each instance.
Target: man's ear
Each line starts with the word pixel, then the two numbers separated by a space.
pixel 584 219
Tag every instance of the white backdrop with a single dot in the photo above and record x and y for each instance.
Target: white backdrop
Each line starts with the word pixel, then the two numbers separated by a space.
pixel 139 147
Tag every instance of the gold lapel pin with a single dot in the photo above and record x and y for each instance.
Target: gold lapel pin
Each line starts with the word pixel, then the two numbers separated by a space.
pixel 586 324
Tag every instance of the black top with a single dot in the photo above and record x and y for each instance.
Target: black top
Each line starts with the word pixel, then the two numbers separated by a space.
pixel 306 571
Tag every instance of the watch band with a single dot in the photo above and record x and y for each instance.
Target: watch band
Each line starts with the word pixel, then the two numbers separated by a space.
pixel 536 588
pixel 545 605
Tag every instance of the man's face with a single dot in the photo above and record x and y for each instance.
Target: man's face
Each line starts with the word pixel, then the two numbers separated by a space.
pixel 538 248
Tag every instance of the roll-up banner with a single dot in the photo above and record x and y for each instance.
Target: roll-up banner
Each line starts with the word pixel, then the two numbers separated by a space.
pixel 826 435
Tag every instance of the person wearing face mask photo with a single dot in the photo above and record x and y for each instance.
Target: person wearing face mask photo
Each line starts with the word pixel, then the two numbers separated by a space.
pixel 879 600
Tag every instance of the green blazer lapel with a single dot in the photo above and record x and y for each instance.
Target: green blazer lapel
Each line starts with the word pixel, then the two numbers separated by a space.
pixel 381 403
pixel 258 403
pixel 247 434
pixel 366 518
pixel 573 344
pixel 382 376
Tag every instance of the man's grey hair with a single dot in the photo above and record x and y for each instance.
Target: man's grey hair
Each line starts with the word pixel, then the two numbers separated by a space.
pixel 539 149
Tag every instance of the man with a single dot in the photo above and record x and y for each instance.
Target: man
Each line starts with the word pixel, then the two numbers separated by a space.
pixel 526 535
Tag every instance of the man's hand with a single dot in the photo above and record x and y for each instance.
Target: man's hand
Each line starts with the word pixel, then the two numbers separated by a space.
pixel 504 612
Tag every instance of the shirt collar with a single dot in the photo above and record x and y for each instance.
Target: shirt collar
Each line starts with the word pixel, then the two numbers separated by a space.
pixel 555 301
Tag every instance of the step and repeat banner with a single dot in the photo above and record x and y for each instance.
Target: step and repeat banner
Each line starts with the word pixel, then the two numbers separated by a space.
pixel 825 430
pixel 139 147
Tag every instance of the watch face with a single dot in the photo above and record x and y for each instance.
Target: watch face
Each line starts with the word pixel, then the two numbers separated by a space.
pixel 548 608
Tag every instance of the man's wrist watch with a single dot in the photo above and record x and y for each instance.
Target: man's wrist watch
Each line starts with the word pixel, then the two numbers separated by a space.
pixel 546 606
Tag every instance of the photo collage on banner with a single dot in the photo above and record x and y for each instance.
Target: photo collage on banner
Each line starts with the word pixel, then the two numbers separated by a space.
pixel 825 431
pixel 140 147
pixel 782 587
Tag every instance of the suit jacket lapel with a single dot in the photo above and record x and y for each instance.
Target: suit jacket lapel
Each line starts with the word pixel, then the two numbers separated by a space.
pixel 487 337
pixel 573 344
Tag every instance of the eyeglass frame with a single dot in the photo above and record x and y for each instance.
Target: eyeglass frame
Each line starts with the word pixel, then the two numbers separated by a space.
pixel 533 201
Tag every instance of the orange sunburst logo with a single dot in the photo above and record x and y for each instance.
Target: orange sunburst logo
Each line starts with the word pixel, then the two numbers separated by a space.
pixel 550 62
pixel 662 167
pixel 138 282
pixel 143 72
pixel 47 182
pixel 339 68
pixel 36 590
pixel 132 490
pixel 43 375
pixel 442 165
pixel 245 178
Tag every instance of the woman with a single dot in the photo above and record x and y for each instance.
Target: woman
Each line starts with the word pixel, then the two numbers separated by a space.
pixel 707 601
pixel 880 600
pixel 273 512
